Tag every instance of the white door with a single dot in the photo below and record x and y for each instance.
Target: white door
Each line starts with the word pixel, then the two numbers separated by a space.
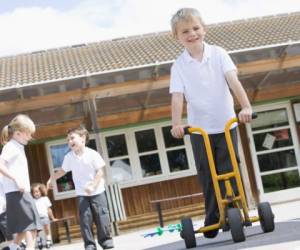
pixel 275 153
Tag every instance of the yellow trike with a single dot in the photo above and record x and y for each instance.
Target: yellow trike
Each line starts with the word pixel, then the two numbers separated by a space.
pixel 234 213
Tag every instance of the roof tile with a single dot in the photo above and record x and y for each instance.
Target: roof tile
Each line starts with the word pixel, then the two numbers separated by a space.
pixel 136 51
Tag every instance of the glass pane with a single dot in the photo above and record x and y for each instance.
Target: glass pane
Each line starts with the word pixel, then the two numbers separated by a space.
pixel 116 145
pixel 270 119
pixel 170 141
pixel 271 140
pixel 92 144
pixel 145 140
pixel 277 160
pixel 177 160
pixel 150 165
pixel 120 170
pixel 57 154
pixel 65 183
pixel 280 181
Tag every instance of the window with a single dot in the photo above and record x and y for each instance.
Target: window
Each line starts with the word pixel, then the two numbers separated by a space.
pixel 57 153
pixel 275 152
pixel 120 168
pixel 133 156
pixel 176 153
pixel 148 153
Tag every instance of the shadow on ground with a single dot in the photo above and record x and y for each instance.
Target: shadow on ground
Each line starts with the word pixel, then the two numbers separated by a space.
pixel 284 232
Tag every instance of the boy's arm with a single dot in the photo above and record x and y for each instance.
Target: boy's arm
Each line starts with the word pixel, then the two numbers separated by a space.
pixel 59 173
pixel 245 115
pixel 92 186
pixel 177 108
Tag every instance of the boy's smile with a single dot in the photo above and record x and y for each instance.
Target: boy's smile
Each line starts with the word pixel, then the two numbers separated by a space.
pixel 76 142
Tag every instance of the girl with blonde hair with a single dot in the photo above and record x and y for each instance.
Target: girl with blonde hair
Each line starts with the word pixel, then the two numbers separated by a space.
pixel 22 216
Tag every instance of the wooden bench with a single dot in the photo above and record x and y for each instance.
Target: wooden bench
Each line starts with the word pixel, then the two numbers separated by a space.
pixel 157 204
pixel 66 223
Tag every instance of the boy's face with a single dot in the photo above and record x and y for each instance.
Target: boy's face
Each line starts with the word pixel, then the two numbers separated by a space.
pixel 76 142
pixel 190 33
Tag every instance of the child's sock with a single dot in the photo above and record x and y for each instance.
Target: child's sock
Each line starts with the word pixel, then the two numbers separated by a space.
pixel 48 244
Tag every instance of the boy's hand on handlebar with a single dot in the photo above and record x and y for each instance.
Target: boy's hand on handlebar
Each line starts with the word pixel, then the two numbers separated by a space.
pixel 245 115
pixel 177 131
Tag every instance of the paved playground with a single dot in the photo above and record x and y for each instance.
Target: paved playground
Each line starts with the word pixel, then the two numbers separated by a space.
pixel 285 237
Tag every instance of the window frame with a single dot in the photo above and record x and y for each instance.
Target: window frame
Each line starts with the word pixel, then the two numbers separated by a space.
pixel 138 179
pixel 283 194
pixel 133 156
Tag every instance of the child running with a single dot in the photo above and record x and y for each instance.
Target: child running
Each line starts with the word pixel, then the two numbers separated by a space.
pixel 22 215
pixel 86 166
pixel 43 205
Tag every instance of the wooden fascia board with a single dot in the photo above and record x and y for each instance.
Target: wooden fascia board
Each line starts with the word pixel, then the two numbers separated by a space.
pixel 275 92
pixel 112 120
pixel 132 117
pixel 75 96
pixel 130 87
pixel 268 65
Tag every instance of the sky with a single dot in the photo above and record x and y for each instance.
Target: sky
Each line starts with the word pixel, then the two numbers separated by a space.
pixel 33 25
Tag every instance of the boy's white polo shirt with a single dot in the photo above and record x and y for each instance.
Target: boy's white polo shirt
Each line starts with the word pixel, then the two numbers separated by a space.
pixel 13 154
pixel 209 101
pixel 84 169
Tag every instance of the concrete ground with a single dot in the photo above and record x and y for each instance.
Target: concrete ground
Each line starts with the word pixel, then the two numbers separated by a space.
pixel 285 237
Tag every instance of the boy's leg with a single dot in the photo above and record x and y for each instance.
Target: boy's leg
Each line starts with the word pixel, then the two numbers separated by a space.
pixel 86 220
pixel 204 175
pixel 102 220
pixel 223 161
pixel 48 235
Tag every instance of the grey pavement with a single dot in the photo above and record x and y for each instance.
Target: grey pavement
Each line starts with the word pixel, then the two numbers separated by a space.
pixel 285 237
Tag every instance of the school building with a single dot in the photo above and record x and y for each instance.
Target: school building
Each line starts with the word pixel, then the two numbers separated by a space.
pixel 119 90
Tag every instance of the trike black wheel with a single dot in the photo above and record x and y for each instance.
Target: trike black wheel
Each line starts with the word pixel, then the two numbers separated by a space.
pixel 266 217
pixel 188 233
pixel 236 224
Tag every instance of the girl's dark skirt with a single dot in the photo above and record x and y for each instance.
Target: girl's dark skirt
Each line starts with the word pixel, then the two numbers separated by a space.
pixel 22 215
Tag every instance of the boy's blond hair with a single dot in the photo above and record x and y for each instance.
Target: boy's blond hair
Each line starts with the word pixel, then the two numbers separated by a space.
pixel 183 15
pixel 20 123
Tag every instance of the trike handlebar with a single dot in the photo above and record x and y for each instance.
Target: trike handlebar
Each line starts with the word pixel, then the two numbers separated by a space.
pixel 188 130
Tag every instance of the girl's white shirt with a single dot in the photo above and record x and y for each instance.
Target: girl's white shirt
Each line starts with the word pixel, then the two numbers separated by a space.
pixel 84 169
pixel 43 204
pixel 13 154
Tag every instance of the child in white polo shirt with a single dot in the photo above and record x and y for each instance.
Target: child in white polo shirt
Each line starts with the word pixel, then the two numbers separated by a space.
pixel 86 166
pixel 43 205
pixel 204 74
pixel 22 216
